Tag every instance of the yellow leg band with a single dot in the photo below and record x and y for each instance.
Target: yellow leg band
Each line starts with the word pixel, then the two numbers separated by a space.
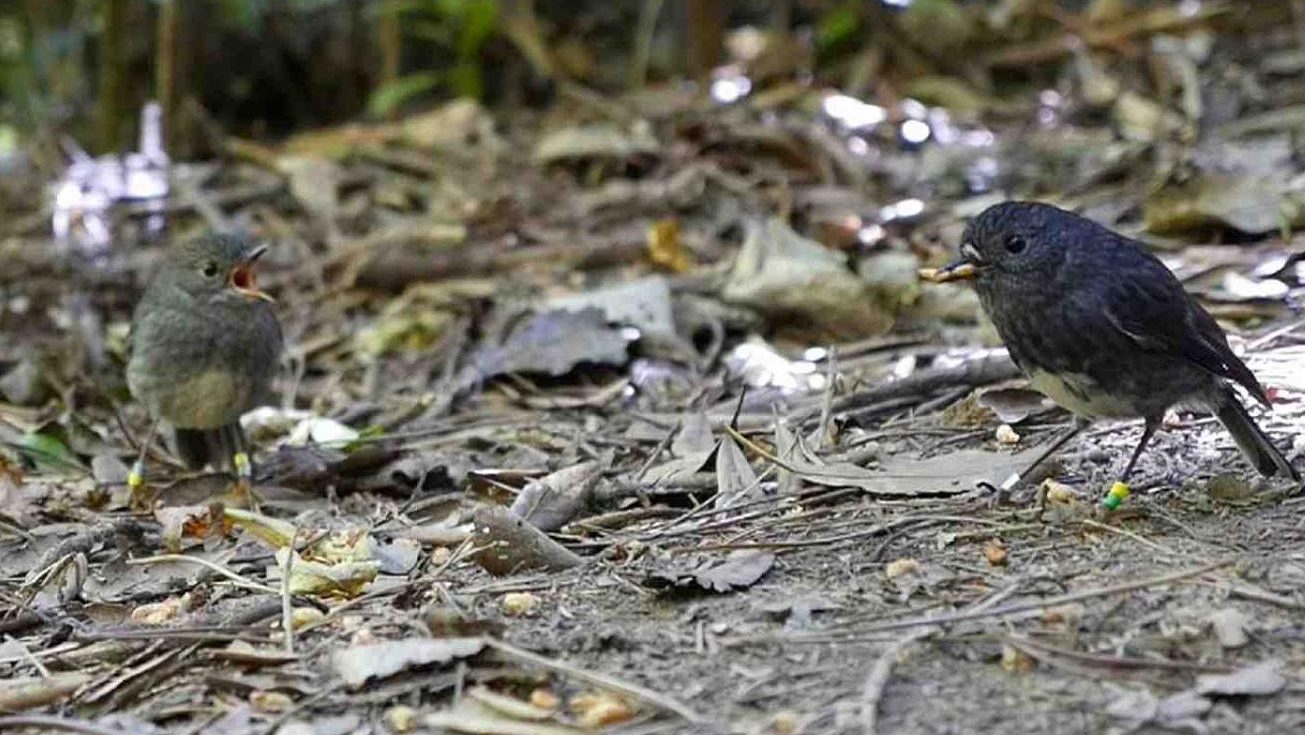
pixel 241 461
pixel 1116 496
pixel 136 477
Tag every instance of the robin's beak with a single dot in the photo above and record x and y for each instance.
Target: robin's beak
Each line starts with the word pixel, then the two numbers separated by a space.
pixel 242 278
pixel 964 269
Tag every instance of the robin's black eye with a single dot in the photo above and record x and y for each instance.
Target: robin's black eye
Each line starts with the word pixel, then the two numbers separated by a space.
pixel 210 269
pixel 1014 244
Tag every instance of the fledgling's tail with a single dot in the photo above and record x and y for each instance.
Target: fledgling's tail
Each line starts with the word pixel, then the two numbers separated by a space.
pixel 1251 439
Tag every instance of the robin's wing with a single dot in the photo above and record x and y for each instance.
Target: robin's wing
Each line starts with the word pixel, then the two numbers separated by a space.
pixel 1152 309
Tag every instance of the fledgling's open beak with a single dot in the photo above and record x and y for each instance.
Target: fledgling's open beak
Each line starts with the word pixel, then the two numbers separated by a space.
pixel 242 278
pixel 964 269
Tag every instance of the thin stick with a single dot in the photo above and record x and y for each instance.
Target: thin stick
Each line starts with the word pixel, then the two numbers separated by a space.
pixel 239 580
pixel 1019 607
pixel 56 723
pixel 827 401
pixel 872 693
pixel 601 680
pixel 287 610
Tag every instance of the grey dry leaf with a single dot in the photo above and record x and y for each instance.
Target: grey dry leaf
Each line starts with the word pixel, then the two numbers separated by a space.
pixel 397 555
pixel 1243 184
pixel 741 569
pixel 1179 711
pixel 694 436
pixel 692 447
pixel 597 141
pixel 552 501
pixel 902 476
pixel 787 276
pixel 786 448
pixel 475 715
pixel 359 664
pixel 315 183
pixel 506 544
pixel 554 343
pixel 1229 625
pixel 736 482
pixel 1012 405
pixel 644 303
pixel 1261 679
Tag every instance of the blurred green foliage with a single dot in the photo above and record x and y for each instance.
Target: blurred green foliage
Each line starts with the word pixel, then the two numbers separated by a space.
pixel 457 31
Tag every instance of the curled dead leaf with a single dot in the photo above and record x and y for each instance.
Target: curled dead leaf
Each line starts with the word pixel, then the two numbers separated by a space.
pixel 519 604
pixel 597 709
pixel 995 552
pixel 901 567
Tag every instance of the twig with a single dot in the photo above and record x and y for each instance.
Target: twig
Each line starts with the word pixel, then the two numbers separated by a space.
pixel 239 580
pixel 643 41
pixel 989 367
pixel 56 723
pixel 1159 20
pixel 601 680
pixel 872 692
pixel 1020 607
pixel 393 268
pixel 827 400
pixel 287 611
pixel 1100 660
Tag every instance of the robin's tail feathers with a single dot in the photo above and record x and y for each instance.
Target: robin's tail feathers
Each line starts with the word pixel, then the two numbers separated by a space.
pixel 1253 442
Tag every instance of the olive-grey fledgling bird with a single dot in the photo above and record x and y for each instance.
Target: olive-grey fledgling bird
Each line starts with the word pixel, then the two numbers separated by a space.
pixel 1104 329
pixel 204 347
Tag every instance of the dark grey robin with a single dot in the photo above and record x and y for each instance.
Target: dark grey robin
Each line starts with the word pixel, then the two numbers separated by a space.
pixel 1103 328
pixel 204 347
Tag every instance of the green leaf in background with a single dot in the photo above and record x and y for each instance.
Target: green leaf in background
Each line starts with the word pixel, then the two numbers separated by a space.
pixel 48 451
pixel 837 27
pixel 479 21
pixel 465 79
pixel 389 97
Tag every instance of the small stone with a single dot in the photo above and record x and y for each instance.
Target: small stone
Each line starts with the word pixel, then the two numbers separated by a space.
pixel 519 604
pixel 1006 436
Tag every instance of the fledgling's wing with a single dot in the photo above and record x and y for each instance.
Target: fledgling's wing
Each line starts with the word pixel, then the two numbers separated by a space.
pixel 1142 299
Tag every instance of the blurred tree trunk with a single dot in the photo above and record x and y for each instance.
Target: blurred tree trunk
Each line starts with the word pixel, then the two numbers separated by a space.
pixel 113 73
pixel 390 40
pixel 166 79
pixel 706 36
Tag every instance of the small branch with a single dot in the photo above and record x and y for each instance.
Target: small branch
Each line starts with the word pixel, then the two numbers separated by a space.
pixel 596 679
pixel 1020 607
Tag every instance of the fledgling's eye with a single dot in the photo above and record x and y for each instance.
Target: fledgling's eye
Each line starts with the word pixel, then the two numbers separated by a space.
pixel 1014 244
pixel 210 269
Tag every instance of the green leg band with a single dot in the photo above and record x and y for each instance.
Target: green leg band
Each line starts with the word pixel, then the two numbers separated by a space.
pixel 1119 492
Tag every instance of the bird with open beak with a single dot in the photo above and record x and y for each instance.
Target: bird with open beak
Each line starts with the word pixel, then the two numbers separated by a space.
pixel 204 348
pixel 1104 329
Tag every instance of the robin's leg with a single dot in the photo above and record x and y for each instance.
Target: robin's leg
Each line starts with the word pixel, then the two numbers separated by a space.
pixel 136 476
pixel 1080 424
pixel 1120 489
pixel 234 439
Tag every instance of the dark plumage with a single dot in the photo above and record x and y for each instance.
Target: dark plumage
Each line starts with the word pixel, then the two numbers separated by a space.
pixel 1103 327
pixel 204 346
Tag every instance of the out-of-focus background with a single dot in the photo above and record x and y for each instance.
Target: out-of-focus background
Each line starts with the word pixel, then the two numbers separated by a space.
pixel 612 401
